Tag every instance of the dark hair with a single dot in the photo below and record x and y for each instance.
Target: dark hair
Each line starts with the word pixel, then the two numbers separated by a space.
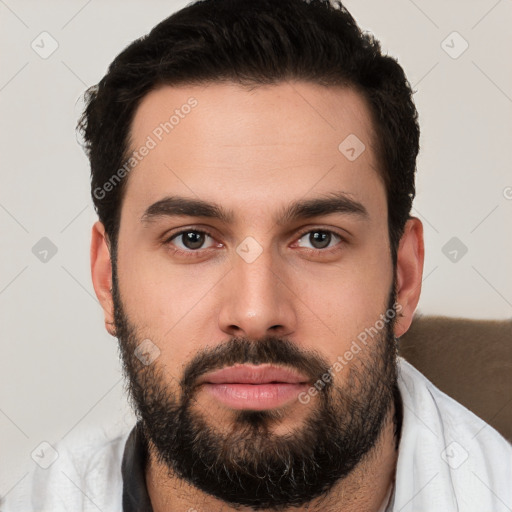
pixel 253 42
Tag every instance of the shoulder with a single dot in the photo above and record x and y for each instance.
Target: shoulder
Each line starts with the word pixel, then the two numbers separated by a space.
pixel 418 392
pixel 85 475
pixel 459 460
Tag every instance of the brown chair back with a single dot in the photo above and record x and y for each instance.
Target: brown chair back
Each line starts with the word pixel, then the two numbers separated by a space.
pixel 469 360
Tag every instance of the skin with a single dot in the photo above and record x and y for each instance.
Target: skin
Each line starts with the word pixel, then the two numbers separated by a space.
pixel 254 152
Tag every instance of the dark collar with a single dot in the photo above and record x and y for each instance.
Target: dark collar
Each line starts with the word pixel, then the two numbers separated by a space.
pixel 399 415
pixel 133 469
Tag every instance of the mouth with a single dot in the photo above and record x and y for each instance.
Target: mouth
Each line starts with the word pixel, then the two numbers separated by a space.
pixel 252 387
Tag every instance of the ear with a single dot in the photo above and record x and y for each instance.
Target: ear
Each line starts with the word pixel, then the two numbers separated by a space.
pixel 410 257
pixel 101 271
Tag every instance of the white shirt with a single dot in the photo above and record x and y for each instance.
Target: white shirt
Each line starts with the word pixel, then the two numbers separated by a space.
pixel 449 460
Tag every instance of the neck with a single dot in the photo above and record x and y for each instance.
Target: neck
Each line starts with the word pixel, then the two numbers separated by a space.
pixel 363 490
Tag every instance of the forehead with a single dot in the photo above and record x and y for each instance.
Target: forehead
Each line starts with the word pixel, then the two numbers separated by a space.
pixel 222 142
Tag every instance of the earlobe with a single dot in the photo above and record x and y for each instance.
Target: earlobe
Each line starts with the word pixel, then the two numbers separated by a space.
pixel 101 272
pixel 410 258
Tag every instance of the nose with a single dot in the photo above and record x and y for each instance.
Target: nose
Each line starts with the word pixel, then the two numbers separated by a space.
pixel 256 300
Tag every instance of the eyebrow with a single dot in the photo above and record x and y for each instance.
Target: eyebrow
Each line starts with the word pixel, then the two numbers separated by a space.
pixel 178 206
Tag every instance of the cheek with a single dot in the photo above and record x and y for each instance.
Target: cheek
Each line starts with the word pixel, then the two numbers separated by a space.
pixel 342 309
pixel 158 292
pixel 345 299
pixel 169 303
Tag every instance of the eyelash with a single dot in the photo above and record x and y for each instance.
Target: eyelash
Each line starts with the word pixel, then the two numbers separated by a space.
pixel 200 252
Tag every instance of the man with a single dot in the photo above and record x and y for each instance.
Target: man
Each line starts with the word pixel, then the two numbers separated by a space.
pixel 253 172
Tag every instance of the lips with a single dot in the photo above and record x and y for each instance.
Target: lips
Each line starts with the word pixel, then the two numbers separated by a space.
pixel 254 387
pixel 254 374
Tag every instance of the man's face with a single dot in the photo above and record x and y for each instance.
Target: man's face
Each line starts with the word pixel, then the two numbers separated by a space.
pixel 259 287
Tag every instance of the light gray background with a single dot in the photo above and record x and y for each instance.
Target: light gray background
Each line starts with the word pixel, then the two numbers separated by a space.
pixel 59 368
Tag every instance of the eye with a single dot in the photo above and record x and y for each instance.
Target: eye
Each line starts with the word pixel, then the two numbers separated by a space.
pixel 320 239
pixel 189 240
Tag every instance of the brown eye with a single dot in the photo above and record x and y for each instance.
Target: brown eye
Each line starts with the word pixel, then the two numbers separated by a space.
pixel 193 239
pixel 190 239
pixel 319 239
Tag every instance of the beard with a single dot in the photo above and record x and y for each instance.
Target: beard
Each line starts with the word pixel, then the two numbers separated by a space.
pixel 248 464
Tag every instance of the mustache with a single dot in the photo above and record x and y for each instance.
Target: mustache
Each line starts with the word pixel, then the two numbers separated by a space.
pixel 240 350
